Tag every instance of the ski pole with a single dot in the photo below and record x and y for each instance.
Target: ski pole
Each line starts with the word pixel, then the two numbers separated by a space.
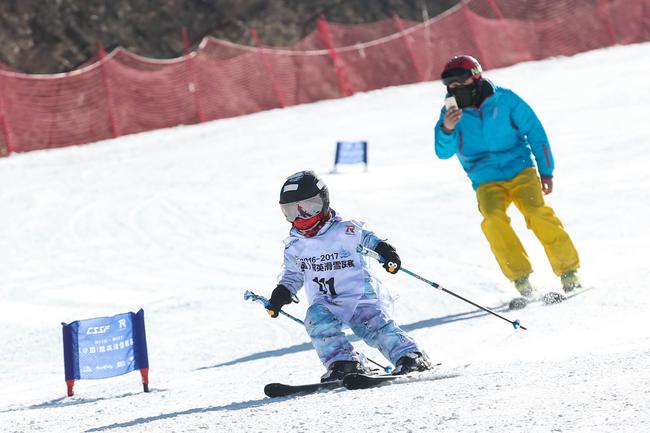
pixel 250 296
pixel 365 251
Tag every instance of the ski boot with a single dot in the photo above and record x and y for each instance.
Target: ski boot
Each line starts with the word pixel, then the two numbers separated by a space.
pixel 570 281
pixel 411 362
pixel 339 369
pixel 527 291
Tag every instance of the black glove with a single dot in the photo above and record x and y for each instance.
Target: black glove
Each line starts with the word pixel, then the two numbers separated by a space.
pixel 392 263
pixel 280 297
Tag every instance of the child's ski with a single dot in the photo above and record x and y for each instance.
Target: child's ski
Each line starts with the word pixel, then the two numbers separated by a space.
pixel 283 390
pixel 364 381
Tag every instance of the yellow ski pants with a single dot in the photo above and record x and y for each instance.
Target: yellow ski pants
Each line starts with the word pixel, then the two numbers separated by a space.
pixel 525 191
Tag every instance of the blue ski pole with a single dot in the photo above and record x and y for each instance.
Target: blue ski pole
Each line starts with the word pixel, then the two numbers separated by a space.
pixel 365 251
pixel 250 296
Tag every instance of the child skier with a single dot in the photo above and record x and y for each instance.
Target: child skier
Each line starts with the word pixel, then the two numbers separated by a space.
pixel 321 255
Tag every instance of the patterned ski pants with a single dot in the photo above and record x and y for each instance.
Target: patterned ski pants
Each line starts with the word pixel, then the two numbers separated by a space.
pixel 369 322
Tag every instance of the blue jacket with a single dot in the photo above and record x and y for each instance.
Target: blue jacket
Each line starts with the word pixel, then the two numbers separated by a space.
pixel 496 141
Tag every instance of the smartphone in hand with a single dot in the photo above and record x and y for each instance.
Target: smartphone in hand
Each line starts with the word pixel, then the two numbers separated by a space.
pixel 450 103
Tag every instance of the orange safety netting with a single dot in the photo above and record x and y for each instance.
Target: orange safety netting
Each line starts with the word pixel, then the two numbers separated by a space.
pixel 124 93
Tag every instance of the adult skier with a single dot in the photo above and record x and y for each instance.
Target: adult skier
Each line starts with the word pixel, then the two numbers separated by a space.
pixel 321 255
pixel 495 136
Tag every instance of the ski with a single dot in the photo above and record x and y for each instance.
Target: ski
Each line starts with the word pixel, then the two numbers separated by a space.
pixel 548 298
pixel 283 390
pixel 518 303
pixel 555 298
pixel 359 381
pixel 365 381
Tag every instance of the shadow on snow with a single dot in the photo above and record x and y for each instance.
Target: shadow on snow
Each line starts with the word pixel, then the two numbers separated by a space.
pixel 428 323
pixel 232 406
pixel 73 401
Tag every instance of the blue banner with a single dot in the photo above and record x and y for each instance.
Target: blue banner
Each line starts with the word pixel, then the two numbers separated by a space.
pixel 105 346
pixel 351 152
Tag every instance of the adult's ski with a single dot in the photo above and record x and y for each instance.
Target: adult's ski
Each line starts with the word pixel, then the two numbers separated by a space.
pixel 555 298
pixel 548 298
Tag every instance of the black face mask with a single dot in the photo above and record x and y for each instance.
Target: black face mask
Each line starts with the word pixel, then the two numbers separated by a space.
pixel 466 96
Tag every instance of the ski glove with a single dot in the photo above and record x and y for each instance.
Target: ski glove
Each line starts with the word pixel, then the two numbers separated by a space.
pixel 392 263
pixel 280 297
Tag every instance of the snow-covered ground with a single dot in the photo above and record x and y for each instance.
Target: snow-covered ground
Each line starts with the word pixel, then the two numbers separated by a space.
pixel 181 221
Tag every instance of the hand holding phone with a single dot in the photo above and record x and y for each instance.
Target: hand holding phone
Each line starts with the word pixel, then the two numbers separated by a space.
pixel 452 115
pixel 450 103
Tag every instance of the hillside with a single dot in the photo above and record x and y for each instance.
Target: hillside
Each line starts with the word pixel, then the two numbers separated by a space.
pixel 49 36
pixel 181 221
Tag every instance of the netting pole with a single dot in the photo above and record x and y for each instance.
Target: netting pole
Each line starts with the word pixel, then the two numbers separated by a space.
pixel 428 46
pixel 408 46
pixel 479 52
pixel 53 114
pixel 107 89
pixel 268 67
pixel 603 9
pixel 324 30
pixel 192 84
pixel 4 124
pixel 495 9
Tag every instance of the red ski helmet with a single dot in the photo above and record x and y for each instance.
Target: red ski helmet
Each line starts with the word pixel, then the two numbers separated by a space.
pixel 460 68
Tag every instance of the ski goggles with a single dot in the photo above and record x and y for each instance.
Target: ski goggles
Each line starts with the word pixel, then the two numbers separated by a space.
pixel 304 209
pixel 456 75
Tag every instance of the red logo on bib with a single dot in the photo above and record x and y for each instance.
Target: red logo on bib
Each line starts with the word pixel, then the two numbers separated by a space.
pixel 349 229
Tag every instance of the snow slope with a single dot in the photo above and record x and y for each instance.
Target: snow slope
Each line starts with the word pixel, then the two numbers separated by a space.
pixel 181 221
